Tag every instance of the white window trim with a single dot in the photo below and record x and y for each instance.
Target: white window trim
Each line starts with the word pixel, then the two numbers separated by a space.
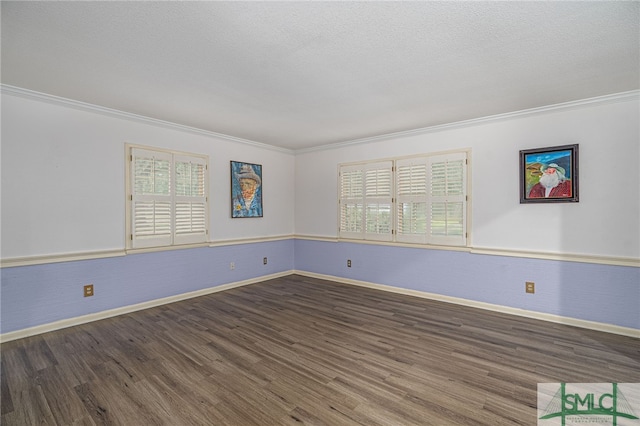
pixel 174 240
pixel 425 239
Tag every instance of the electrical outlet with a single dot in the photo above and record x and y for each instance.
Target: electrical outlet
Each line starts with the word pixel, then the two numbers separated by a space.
pixel 88 290
pixel 348 263
pixel 530 287
pixel 264 261
pixel 232 266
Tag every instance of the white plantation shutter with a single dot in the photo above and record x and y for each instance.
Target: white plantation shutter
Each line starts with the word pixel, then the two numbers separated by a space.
pixel 447 199
pixel 151 202
pixel 378 196
pixel 411 201
pixel 423 199
pixel 351 202
pixel 168 199
pixel 366 201
pixel 190 200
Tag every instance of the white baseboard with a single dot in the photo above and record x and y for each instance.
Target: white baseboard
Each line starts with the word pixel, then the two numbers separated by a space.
pixel 70 322
pixel 591 325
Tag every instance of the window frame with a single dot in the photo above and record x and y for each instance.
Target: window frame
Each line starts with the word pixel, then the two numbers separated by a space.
pixel 403 192
pixel 196 231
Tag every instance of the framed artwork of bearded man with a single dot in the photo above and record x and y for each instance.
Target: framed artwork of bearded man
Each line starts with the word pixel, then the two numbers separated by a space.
pixel 246 189
pixel 549 175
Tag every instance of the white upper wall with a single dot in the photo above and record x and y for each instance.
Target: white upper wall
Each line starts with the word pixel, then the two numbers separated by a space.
pixel 605 222
pixel 63 179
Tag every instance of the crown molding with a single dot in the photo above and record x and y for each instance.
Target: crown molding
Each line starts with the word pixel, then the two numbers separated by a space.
pixel 599 100
pixel 84 106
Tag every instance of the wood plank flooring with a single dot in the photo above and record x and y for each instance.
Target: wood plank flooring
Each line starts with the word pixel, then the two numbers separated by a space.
pixel 297 350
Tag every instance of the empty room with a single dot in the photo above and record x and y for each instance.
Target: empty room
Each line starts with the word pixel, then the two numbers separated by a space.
pixel 322 213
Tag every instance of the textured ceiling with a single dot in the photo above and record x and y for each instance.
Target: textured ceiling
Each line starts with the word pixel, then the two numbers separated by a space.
pixel 303 74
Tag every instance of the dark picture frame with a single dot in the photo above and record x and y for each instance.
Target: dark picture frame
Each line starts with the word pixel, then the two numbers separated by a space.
pixel 246 190
pixel 557 166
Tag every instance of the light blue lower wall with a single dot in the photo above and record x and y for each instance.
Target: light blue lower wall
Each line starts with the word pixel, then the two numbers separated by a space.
pixel 41 294
pixel 602 293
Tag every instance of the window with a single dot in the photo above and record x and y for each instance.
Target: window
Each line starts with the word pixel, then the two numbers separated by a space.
pixel 167 203
pixel 421 199
pixel 366 201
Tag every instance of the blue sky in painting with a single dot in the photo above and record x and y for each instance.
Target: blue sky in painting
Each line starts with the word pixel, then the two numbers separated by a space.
pixel 561 158
pixel 547 157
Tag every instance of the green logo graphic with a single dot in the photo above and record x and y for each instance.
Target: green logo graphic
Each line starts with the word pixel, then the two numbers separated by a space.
pixel 593 406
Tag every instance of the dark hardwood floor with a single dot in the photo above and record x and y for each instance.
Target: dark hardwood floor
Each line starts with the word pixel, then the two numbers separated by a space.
pixel 298 350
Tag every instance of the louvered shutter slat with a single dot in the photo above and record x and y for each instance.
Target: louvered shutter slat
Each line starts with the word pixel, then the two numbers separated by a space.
pixel 412 218
pixel 190 210
pixel 190 218
pixel 365 201
pixel 411 188
pixel 151 198
pixel 447 200
pixel 351 218
pixel 378 218
pixel 378 212
pixel 351 202
pixel 351 184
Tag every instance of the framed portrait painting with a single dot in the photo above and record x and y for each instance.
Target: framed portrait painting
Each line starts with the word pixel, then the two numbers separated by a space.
pixel 246 189
pixel 549 175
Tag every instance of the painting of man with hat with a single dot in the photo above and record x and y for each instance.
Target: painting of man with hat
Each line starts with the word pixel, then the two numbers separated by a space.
pixel 246 190
pixel 553 183
pixel 549 174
